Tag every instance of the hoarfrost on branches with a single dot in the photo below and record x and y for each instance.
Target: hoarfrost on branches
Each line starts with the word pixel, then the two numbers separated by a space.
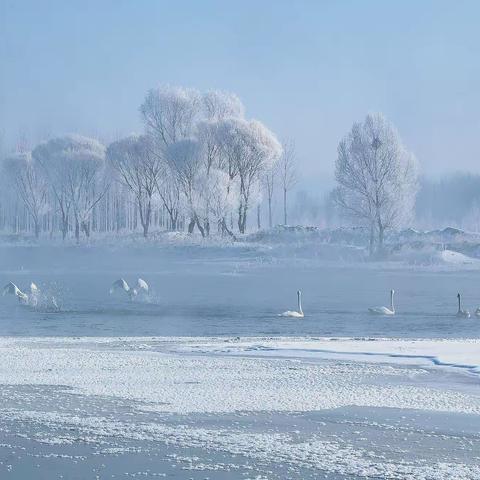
pixel 198 164
pixel 30 184
pixel 139 169
pixel 377 178
pixel 74 166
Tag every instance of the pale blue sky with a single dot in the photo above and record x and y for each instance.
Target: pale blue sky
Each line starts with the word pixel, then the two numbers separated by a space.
pixel 308 69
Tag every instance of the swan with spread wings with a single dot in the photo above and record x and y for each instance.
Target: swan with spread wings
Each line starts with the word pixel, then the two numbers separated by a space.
pixel 121 285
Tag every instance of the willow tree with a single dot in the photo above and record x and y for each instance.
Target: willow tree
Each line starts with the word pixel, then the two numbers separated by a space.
pixel 249 149
pixel 74 166
pixel 139 169
pixel 30 184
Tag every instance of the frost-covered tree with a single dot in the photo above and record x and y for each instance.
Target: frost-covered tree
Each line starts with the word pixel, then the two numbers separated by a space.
pixel 85 179
pixel 205 167
pixel 207 135
pixel 177 118
pixel 29 183
pixel 269 180
pixel 224 198
pixel 169 113
pixel 51 156
pixel 287 173
pixel 248 150
pixel 139 169
pixel 185 159
pixel 168 189
pixel 75 167
pixel 376 177
pixel 218 105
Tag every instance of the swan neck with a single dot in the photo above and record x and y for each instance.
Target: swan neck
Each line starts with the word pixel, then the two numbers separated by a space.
pixel 459 303
pixel 299 296
pixel 391 302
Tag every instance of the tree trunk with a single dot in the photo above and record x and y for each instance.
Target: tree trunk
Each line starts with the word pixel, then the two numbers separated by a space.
pixel 284 206
pixel 240 209
pixel 226 229
pixel 199 225
pixel 37 228
pixel 259 225
pixel 244 222
pixel 242 216
pixel 381 235
pixel 145 220
pixel 372 240
pixel 86 228
pixel 135 220
pixel 117 211
pixel 191 225
pixel 148 218
pixel 64 227
pixel 173 215
pixel 77 231
pixel 270 212
pixel 145 217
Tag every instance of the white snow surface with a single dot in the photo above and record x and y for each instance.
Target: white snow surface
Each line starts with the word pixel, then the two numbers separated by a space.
pixel 456 353
pixel 216 375
pixel 187 375
pixel 429 256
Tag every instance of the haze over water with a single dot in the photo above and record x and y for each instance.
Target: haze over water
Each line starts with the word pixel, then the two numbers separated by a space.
pixel 197 291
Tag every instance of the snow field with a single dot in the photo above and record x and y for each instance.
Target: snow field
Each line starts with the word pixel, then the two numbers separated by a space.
pixel 227 395
pixel 179 377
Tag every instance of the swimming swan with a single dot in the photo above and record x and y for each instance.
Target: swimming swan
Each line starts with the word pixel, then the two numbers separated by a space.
pixel 24 298
pixel 121 284
pixel 384 310
pixel 462 313
pixel 290 313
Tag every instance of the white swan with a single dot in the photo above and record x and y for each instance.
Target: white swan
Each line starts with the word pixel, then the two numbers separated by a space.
pixel 293 313
pixel 477 312
pixel 384 310
pixel 121 284
pixel 462 313
pixel 24 298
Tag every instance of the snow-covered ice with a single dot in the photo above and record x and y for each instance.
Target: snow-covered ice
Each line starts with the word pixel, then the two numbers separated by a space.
pixel 184 377
pixel 454 353
pixel 176 378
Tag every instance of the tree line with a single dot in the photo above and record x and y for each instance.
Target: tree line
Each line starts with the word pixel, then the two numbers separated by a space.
pixel 199 164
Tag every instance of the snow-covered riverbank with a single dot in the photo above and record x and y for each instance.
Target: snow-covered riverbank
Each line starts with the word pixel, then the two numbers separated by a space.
pixel 448 248
pixel 292 400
